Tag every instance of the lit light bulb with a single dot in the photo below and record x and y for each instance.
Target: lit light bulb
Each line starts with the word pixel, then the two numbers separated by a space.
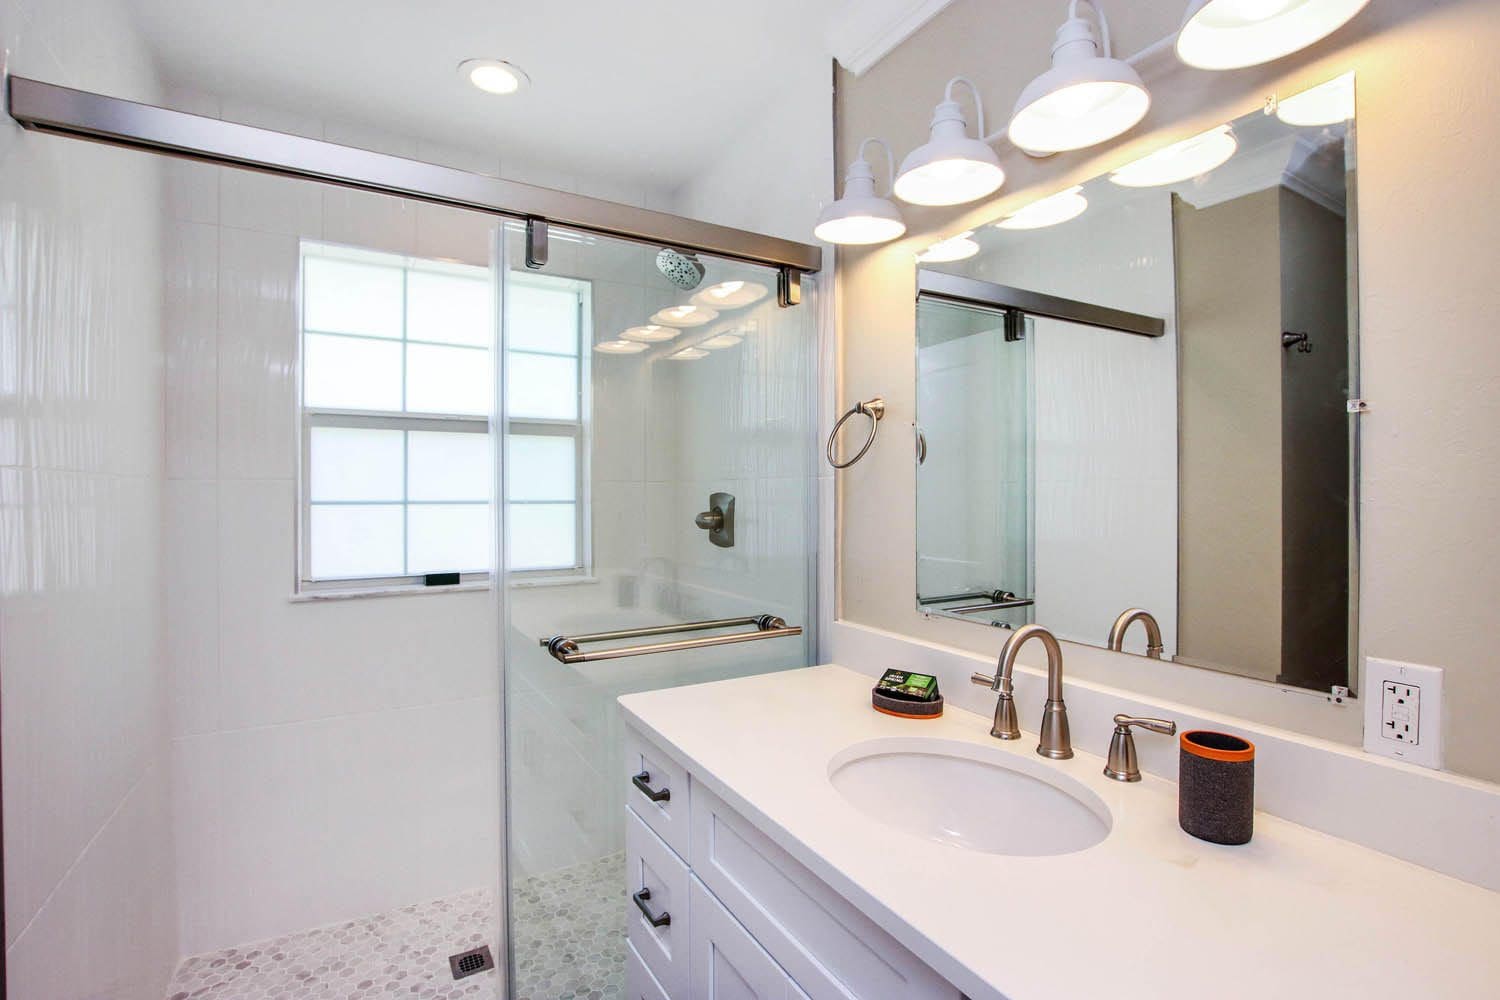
pixel 620 347
pixel 1050 211
pixel 1231 34
pixel 651 333
pixel 960 247
pixel 1324 104
pixel 1180 161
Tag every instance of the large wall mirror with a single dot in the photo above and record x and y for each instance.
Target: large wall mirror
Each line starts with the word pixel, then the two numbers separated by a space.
pixel 1136 395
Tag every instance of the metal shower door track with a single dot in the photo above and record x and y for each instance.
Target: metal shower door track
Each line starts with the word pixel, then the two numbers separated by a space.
pixel 46 107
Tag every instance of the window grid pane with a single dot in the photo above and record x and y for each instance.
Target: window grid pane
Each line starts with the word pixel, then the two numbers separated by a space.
pixel 351 536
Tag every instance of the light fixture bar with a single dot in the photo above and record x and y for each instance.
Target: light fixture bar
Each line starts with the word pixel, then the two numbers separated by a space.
pixel 973 292
pixel 46 107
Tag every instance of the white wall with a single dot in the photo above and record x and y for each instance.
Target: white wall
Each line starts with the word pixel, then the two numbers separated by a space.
pixel 89 907
pixel 331 759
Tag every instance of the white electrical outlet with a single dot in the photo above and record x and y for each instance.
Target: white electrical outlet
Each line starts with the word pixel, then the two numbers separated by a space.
pixel 1404 711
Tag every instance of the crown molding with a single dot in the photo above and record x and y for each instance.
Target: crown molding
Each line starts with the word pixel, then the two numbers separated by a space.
pixel 862 32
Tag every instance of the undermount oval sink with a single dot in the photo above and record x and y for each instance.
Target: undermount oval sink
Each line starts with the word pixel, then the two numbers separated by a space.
pixel 969 796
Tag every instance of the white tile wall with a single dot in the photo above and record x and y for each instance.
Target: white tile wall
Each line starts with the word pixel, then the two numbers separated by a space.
pixel 88 843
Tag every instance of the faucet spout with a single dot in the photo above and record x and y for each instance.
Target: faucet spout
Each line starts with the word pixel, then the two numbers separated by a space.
pixel 1128 617
pixel 1056 742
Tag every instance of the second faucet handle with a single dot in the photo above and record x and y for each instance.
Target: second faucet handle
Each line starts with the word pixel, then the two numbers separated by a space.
pixel 1006 726
pixel 1122 764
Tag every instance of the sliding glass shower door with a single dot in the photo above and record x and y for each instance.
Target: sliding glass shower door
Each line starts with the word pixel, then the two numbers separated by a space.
pixel 658 474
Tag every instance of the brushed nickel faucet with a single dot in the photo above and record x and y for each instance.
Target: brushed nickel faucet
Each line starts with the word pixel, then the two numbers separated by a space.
pixel 1055 741
pixel 1122 764
pixel 1128 617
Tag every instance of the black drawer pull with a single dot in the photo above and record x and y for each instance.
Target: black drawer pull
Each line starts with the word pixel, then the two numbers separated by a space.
pixel 640 898
pixel 640 780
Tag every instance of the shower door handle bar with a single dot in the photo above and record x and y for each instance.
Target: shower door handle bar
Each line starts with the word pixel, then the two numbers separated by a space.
pixel 565 649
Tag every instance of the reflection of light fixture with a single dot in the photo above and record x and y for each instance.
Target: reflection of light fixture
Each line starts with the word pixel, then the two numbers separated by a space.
pixel 1229 34
pixel 1324 104
pixel 687 354
pixel 649 334
pixel 619 347
pixel 720 342
pixel 862 217
pixel 493 76
pixel 1049 211
pixel 685 316
pixel 1087 97
pixel 730 295
pixel 1191 157
pixel 951 168
pixel 960 247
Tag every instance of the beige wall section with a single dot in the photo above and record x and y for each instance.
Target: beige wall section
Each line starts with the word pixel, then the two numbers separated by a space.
pixel 1428 212
pixel 1229 480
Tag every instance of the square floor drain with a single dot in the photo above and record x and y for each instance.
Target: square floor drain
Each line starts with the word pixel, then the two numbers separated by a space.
pixel 467 963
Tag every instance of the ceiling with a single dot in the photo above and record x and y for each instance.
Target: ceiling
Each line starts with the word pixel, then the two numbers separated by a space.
pixel 643 91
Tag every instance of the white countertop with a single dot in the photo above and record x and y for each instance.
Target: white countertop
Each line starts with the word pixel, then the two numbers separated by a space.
pixel 1150 912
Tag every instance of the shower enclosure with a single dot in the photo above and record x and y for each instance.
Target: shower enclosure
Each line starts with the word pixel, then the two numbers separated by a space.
pixel 677 449
pixel 412 433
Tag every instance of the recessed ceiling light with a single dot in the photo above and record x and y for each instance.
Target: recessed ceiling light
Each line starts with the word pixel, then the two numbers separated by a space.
pixel 960 247
pixel 620 347
pixel 1324 104
pixel 1049 211
pixel 651 333
pixel 1180 161
pixel 720 342
pixel 687 354
pixel 494 76
pixel 730 295
pixel 685 316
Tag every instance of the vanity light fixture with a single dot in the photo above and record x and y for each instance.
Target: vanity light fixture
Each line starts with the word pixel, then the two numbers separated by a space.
pixel 720 342
pixel 960 247
pixel 494 76
pixel 1049 211
pixel 1231 34
pixel 685 316
pixel 1325 104
pixel 730 295
pixel 861 217
pixel 951 168
pixel 620 347
pixel 1192 157
pixel 687 354
pixel 1086 98
pixel 651 333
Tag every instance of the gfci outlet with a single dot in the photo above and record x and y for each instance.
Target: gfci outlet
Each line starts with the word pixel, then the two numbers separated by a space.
pixel 1404 711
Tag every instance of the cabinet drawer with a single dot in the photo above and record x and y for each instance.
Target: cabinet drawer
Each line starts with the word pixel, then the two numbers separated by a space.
pixel 658 791
pixel 831 949
pixel 657 880
pixel 640 984
pixel 727 963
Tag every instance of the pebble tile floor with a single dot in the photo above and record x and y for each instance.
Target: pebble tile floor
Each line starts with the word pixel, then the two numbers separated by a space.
pixel 570 932
pixel 570 945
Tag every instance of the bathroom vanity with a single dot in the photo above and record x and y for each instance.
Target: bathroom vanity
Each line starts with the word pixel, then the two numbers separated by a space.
pixel 784 840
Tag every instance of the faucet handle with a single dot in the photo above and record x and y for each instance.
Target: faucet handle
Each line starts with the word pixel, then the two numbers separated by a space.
pixel 1122 764
pixel 984 680
pixel 1006 726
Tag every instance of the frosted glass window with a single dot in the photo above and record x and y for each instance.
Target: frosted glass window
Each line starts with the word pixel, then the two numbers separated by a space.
pixel 351 373
pixel 542 468
pixel 447 380
pixel 349 542
pixel 444 466
pixel 542 536
pixel 345 296
pixel 357 463
pixel 541 386
pixel 542 319
pixel 448 538
pixel 449 308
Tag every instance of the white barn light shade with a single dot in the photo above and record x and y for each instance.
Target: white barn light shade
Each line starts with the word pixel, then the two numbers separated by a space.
pixel 1232 34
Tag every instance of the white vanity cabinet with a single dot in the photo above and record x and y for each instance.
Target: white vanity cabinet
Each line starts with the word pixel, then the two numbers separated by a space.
pixel 718 911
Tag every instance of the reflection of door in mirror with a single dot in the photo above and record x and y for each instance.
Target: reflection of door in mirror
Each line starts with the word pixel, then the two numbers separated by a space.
pixel 1264 539
pixel 974 480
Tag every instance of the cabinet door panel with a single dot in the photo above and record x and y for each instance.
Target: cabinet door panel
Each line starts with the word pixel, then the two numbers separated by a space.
pixel 727 964
pixel 652 867
pixel 658 791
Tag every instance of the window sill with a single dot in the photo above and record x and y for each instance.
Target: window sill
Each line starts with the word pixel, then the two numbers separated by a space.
pixel 529 583
pixel 317 596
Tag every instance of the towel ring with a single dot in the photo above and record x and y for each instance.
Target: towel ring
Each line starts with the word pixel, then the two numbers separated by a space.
pixel 872 408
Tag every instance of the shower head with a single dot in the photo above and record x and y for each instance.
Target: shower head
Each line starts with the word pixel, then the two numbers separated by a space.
pixel 682 269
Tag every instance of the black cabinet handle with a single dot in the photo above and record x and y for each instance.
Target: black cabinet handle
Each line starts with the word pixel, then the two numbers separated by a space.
pixel 640 780
pixel 640 898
